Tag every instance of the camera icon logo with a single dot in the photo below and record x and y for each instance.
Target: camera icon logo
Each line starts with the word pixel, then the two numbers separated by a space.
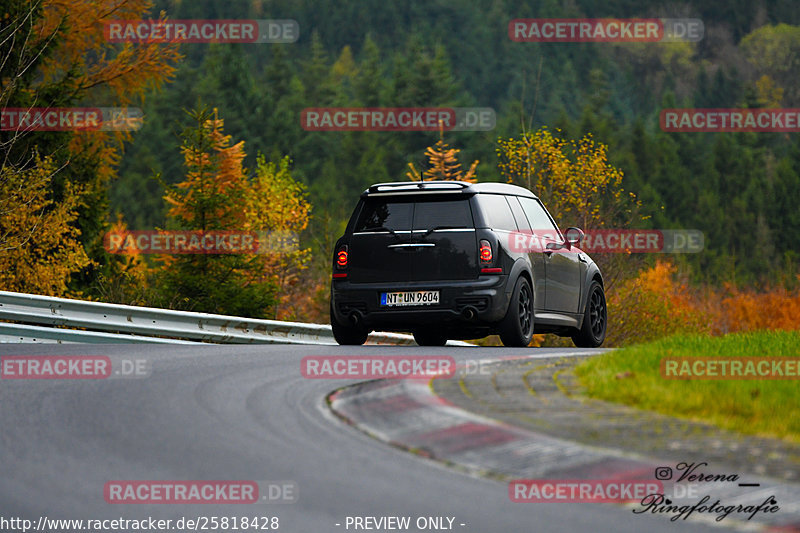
pixel 663 473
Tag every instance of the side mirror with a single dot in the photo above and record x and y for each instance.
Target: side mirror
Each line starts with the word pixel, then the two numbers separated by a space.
pixel 573 236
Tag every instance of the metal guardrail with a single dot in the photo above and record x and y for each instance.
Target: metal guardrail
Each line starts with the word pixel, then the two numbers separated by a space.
pixel 114 323
pixel 18 333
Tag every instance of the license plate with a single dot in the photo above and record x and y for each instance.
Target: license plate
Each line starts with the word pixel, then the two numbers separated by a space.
pixel 409 298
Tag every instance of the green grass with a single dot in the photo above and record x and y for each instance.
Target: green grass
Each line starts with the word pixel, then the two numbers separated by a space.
pixel 632 376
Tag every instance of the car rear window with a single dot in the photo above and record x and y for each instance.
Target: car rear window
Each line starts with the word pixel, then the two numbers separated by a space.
pixel 443 214
pixel 398 214
pixel 377 213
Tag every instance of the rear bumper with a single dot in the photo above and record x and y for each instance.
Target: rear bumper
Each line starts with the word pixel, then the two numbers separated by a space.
pixel 471 303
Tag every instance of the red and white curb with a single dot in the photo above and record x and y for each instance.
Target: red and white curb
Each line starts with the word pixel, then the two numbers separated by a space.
pixel 407 414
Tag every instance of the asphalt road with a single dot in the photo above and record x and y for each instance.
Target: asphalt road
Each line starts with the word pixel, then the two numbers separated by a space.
pixel 244 413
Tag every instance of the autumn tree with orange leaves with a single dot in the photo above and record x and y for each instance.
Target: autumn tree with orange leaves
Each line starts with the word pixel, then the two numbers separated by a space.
pixel 443 164
pixel 53 54
pixel 219 194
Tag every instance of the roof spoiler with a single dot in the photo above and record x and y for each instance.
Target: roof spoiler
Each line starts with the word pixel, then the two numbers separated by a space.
pixel 412 187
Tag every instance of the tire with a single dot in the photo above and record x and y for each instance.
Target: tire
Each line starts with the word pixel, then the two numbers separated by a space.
pixel 595 319
pixel 429 338
pixel 516 328
pixel 347 335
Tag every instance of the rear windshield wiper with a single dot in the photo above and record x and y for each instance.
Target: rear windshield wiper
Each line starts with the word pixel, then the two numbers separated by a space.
pixel 381 228
pixel 428 232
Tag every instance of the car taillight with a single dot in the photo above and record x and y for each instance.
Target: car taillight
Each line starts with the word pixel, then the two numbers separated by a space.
pixel 341 257
pixel 486 251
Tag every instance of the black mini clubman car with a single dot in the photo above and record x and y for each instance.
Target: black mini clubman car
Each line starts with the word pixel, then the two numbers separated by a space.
pixel 456 260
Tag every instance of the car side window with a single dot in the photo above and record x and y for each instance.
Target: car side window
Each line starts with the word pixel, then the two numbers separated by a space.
pixel 497 212
pixel 519 214
pixel 538 218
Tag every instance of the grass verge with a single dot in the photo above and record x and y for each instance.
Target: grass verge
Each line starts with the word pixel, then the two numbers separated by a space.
pixel 632 376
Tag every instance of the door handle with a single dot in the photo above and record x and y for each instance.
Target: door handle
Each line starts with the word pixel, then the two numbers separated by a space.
pixel 550 247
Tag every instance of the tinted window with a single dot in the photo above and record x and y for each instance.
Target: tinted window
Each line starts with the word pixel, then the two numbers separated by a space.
pixel 519 215
pixel 397 215
pixel 443 214
pixel 496 212
pixel 537 216
pixel 378 213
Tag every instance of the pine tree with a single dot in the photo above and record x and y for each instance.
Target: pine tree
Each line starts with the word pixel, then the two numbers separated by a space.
pixel 442 164
pixel 214 196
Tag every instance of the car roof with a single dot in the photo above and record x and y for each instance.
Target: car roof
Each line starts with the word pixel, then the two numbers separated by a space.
pixel 397 188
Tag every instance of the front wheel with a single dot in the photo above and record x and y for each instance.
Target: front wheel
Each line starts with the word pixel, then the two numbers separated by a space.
pixel 516 329
pixel 347 335
pixel 595 319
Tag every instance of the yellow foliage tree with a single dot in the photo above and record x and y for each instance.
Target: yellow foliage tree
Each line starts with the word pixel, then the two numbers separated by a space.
pixel 278 205
pixel 54 54
pixel 219 194
pixel 579 186
pixel 768 93
pixel 39 247
pixel 573 178
pixel 773 51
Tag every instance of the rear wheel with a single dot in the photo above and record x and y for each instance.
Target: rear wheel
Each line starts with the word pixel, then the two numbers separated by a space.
pixel 595 318
pixel 429 338
pixel 516 329
pixel 347 335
